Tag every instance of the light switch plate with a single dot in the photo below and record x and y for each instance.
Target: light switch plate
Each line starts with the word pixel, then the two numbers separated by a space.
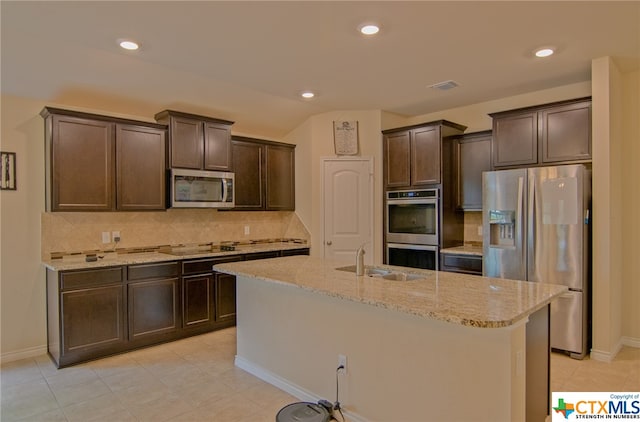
pixel 106 238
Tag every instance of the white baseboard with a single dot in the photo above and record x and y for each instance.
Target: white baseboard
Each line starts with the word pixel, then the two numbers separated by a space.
pixel 608 357
pixel 287 386
pixel 631 342
pixel 30 352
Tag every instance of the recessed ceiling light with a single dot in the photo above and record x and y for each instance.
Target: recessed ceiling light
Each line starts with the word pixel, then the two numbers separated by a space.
pixel 369 29
pixel 307 95
pixel 544 52
pixel 128 44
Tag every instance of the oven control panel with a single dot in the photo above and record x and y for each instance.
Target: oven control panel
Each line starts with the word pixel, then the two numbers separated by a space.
pixel 412 194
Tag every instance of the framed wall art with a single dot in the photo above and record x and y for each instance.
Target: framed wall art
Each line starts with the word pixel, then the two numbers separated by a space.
pixel 345 137
pixel 7 170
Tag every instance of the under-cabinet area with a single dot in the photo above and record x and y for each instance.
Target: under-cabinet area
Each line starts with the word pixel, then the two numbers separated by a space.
pixel 95 311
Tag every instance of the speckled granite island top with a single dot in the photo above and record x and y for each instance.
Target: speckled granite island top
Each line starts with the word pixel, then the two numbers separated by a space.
pixel 456 298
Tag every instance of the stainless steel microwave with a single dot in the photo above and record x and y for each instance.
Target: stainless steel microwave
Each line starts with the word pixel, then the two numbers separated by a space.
pixel 201 189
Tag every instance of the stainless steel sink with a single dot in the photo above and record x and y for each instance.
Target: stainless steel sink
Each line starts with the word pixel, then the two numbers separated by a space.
pixel 384 273
pixel 402 276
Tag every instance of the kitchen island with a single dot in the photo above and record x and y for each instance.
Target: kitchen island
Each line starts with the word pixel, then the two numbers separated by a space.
pixel 442 346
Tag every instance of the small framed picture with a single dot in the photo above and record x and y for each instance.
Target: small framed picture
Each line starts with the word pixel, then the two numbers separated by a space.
pixel 7 170
pixel 345 137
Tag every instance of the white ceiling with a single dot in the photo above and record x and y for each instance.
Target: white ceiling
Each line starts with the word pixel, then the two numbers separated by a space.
pixel 248 61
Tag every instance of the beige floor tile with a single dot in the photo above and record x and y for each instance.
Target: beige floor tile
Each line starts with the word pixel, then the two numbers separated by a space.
pixel 26 399
pixel 100 408
pixel 196 380
pixel 71 376
pixel 163 408
pixel 132 376
pixel 77 393
pixel 142 392
pixel 19 372
pixel 56 415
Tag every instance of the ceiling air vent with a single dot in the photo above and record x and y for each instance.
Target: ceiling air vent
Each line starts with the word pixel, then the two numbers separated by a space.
pixel 443 86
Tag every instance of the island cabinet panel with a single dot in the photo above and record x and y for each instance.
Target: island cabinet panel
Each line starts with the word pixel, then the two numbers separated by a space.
pixel 197 142
pixel 397 147
pixel 86 314
pixel 472 157
pixel 81 157
pixel 425 156
pixel 550 133
pixel 102 163
pixel 140 168
pixel 264 175
pixel 153 301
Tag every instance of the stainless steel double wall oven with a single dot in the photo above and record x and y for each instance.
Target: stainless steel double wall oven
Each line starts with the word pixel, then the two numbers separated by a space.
pixel 412 228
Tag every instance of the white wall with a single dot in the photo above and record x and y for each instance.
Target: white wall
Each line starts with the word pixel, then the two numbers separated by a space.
pixel 631 208
pixel 22 288
pixel 314 140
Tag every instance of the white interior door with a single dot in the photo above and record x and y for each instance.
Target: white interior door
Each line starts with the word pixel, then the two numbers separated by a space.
pixel 348 208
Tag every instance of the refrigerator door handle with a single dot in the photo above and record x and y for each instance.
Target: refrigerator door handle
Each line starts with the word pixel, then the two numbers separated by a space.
pixel 531 232
pixel 520 229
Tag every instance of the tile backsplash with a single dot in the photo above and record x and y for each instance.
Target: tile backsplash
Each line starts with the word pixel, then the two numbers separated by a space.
pixel 472 223
pixel 79 231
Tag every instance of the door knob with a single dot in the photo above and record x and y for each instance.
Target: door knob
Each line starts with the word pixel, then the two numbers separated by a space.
pixel 329 243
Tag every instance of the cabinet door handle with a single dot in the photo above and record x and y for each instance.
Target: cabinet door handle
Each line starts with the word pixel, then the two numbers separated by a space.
pixel 329 243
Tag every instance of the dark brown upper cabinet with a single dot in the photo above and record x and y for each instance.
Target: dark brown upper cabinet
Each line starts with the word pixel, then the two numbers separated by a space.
pixel 264 174
pixel 550 133
pixel 197 142
pixel 140 170
pixel 99 163
pixel 472 157
pixel 413 155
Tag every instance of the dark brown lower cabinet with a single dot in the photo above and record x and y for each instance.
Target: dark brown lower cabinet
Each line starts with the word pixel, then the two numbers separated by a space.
pixel 86 314
pixel 225 297
pixel 461 263
pixel 198 300
pixel 93 318
pixel 153 308
pixel 92 313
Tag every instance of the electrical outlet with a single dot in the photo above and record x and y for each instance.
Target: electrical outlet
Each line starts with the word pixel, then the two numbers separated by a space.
pixel 479 230
pixel 105 237
pixel 247 230
pixel 115 236
pixel 342 361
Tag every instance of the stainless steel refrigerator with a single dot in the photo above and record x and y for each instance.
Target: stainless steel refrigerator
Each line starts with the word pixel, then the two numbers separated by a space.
pixel 536 228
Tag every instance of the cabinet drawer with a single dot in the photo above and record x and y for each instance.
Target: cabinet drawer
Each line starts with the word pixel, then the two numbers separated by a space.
pixel 462 263
pixel 292 252
pixel 202 266
pixel 89 278
pixel 262 255
pixel 147 271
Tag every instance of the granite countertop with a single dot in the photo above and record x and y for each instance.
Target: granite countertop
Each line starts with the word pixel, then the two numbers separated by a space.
pixel 456 298
pixel 463 250
pixel 77 262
